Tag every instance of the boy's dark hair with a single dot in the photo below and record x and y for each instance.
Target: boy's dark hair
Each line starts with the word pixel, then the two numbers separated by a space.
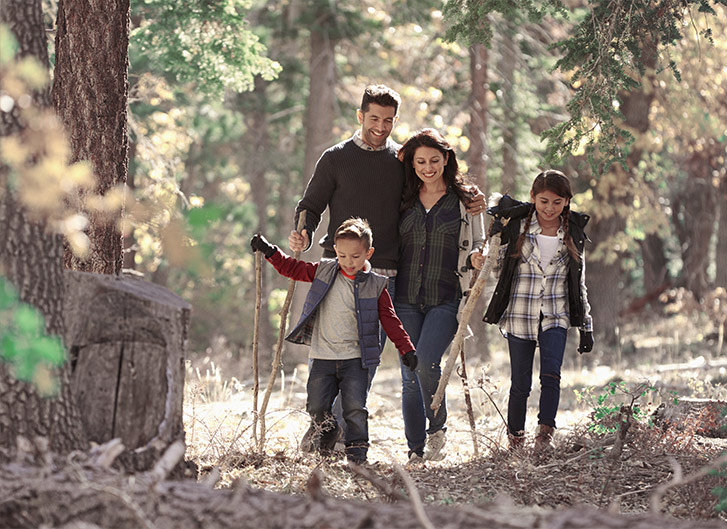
pixel 356 229
pixel 380 95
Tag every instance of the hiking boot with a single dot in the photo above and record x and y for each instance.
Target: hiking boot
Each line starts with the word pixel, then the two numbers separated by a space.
pixel 542 440
pixel 435 443
pixel 515 442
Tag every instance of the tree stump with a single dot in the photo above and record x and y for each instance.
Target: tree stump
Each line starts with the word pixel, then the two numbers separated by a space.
pixel 126 339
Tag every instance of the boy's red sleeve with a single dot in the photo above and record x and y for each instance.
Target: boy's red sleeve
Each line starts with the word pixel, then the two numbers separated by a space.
pixel 392 324
pixel 293 268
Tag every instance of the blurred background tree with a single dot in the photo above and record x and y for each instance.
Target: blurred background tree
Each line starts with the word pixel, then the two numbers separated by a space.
pixel 230 103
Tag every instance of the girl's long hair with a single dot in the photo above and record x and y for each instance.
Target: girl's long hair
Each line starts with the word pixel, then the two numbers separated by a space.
pixel 452 177
pixel 555 182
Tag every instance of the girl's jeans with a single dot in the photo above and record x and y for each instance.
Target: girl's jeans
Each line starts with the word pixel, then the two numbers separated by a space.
pixel 552 345
pixel 431 329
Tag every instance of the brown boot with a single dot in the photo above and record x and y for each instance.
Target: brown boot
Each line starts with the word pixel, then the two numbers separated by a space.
pixel 516 442
pixel 542 440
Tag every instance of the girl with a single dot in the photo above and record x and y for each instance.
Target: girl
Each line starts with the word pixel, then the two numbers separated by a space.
pixel 541 292
pixel 440 243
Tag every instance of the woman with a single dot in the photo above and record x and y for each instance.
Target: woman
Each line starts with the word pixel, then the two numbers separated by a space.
pixel 541 292
pixel 440 243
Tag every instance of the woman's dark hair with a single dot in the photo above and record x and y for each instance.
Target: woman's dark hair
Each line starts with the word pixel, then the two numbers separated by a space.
pixel 558 183
pixel 452 177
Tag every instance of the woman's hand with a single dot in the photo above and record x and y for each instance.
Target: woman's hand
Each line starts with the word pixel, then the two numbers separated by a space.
pixel 477 260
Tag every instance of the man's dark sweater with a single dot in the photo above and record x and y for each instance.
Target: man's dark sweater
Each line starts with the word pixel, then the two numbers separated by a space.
pixel 354 182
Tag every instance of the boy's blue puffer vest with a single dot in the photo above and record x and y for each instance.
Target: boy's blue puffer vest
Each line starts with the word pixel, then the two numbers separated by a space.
pixel 367 288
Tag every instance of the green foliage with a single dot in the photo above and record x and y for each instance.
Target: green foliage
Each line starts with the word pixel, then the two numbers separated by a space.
pixel 470 22
pixel 23 342
pixel 202 41
pixel 606 56
pixel 608 405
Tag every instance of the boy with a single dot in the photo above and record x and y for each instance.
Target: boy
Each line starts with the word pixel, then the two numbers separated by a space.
pixel 340 321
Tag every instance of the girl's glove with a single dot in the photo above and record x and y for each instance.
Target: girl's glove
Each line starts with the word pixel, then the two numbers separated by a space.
pixel 586 345
pixel 410 360
pixel 258 243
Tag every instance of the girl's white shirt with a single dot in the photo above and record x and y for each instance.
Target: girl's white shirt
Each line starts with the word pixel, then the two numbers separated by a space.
pixel 548 245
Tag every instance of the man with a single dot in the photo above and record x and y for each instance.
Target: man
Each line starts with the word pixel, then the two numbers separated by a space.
pixel 362 177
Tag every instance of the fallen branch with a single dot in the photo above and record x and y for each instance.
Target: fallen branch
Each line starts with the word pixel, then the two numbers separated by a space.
pixel 385 488
pixel 464 319
pixel 416 501
pixel 277 360
pixel 678 479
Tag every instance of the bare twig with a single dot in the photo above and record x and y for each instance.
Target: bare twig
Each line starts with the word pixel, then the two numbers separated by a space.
pixel 172 455
pixel 416 501
pixel 464 319
pixel 386 488
pixel 277 360
pixel 678 479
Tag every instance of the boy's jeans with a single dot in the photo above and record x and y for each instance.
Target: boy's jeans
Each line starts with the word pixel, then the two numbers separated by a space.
pixel 431 329
pixel 522 352
pixel 337 411
pixel 325 379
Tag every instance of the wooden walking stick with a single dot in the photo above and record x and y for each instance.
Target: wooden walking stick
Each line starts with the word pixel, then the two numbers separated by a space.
pixel 464 319
pixel 256 339
pixel 468 401
pixel 277 360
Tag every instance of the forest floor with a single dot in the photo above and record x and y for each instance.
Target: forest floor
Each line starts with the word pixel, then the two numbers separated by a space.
pixel 659 468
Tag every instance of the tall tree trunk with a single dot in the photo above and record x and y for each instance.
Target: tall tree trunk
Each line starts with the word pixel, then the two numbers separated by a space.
pixel 479 108
pixel 721 253
pixel 320 113
pixel 604 278
pixel 656 273
pixel 31 257
pixel 508 60
pixel 90 94
pixel 694 214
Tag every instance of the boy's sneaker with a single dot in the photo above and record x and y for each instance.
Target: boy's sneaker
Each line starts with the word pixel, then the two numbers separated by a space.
pixel 435 443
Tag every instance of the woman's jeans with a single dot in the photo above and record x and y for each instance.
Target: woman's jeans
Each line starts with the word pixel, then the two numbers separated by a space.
pixel 431 329
pixel 552 345
pixel 325 379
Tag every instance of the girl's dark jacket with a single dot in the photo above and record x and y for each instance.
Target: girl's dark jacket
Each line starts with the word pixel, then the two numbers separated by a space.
pixel 515 211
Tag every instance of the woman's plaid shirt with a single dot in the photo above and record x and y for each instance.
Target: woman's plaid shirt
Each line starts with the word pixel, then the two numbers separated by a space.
pixel 536 290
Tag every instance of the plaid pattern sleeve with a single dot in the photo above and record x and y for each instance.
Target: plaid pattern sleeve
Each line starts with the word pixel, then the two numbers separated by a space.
pixel 536 291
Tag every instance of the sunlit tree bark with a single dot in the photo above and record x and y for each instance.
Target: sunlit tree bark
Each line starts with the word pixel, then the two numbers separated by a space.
pixel 31 258
pixel 90 95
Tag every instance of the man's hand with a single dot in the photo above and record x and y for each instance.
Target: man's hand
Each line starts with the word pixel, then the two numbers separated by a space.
pixel 298 242
pixel 586 345
pixel 410 360
pixel 478 204
pixel 258 243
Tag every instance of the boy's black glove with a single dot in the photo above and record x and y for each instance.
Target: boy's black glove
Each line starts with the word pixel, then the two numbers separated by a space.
pixel 410 360
pixel 258 243
pixel 586 345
